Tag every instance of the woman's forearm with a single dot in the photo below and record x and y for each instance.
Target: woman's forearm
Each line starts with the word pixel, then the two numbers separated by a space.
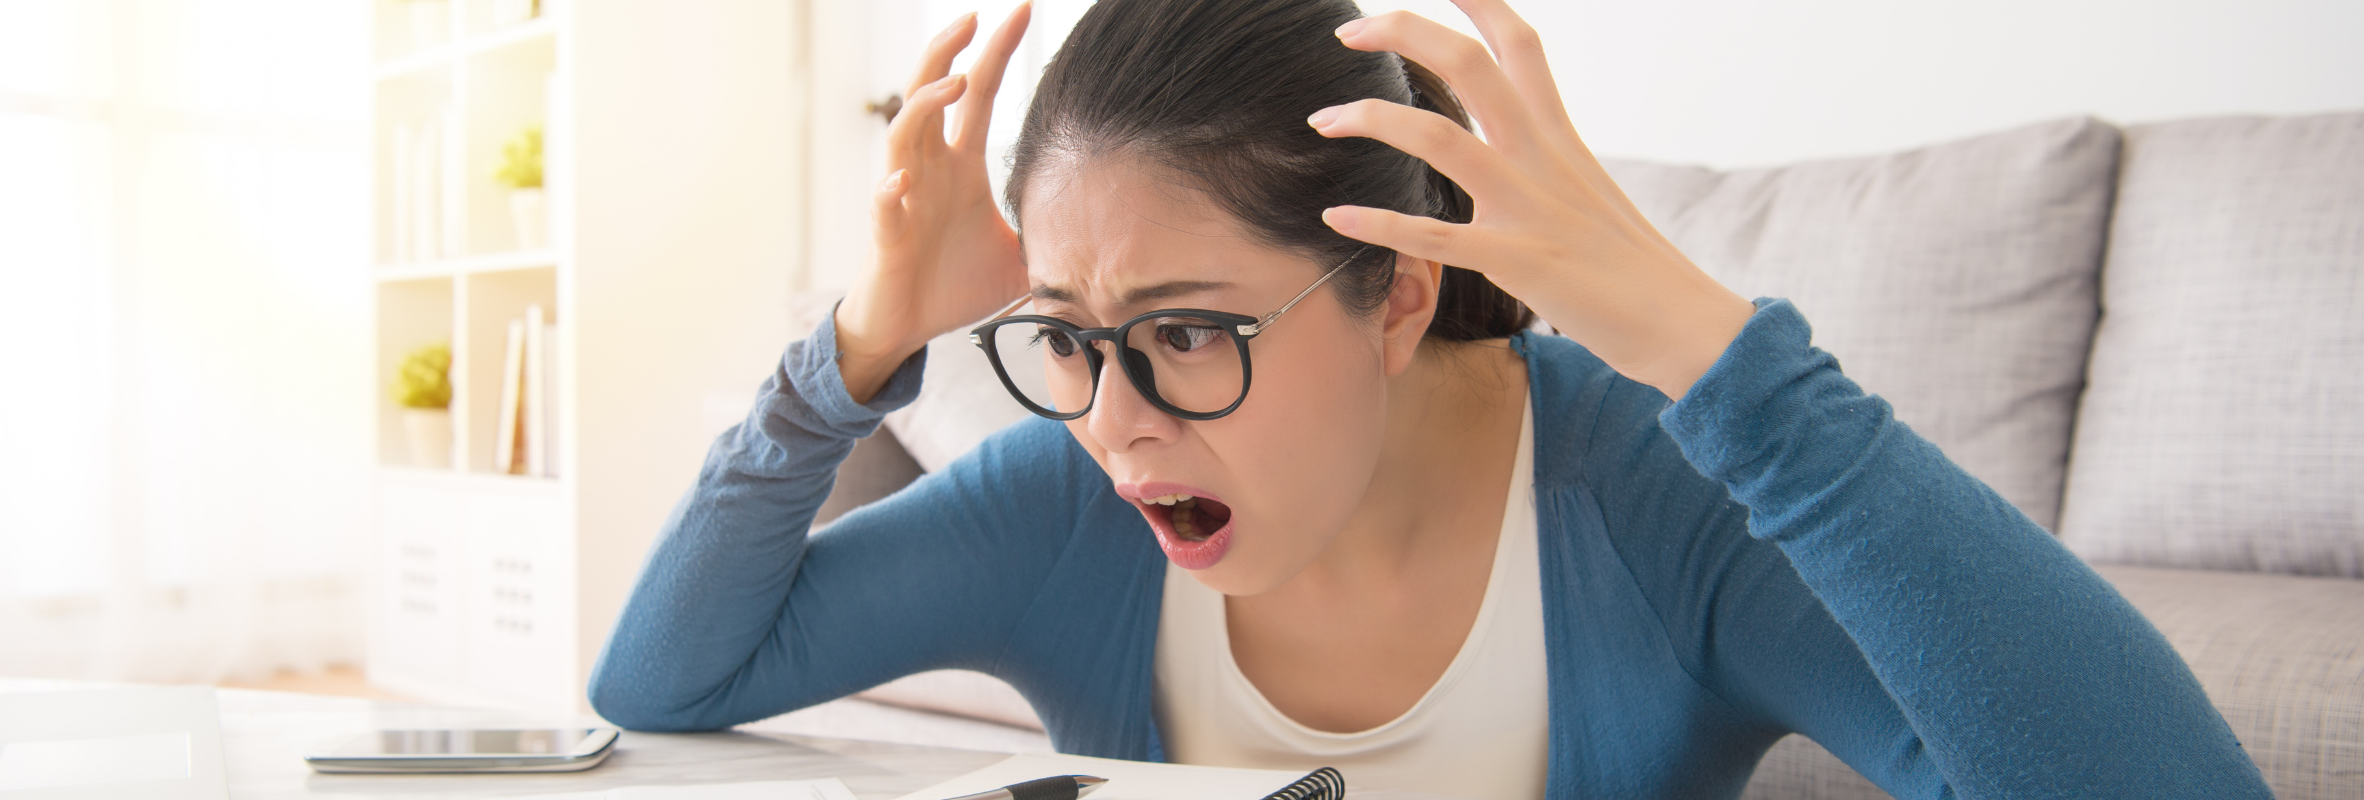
pixel 714 588
pixel 2021 670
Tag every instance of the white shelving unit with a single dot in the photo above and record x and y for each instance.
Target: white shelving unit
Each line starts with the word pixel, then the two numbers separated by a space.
pixel 673 165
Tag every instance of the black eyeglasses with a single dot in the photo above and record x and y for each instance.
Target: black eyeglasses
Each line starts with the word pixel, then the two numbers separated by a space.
pixel 1189 362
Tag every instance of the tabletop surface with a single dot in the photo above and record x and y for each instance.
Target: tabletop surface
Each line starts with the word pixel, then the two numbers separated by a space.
pixel 265 736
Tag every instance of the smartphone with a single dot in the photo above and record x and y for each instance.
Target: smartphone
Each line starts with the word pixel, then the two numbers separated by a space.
pixel 534 750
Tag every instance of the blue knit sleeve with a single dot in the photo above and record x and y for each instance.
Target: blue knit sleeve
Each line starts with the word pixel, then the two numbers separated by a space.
pixel 739 614
pixel 2019 671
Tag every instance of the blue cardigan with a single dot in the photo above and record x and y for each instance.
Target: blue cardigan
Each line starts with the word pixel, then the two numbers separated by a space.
pixel 1773 554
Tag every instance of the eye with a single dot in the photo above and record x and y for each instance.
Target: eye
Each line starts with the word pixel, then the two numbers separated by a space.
pixel 1061 344
pixel 1186 338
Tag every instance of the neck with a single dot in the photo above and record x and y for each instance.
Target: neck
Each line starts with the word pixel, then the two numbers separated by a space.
pixel 1452 436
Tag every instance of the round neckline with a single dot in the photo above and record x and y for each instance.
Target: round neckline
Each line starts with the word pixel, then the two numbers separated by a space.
pixel 1471 644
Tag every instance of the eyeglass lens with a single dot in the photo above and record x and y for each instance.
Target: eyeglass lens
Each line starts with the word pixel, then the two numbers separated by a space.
pixel 1192 364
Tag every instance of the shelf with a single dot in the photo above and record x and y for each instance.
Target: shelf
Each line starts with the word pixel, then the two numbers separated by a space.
pixel 506 36
pixel 469 265
pixel 511 34
pixel 414 63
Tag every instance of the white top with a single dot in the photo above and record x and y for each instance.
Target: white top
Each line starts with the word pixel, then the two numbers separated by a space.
pixel 1482 732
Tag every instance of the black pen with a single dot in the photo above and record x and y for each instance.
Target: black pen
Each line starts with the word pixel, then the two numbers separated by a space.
pixel 1056 787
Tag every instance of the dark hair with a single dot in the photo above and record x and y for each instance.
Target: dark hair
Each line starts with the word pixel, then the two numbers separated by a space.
pixel 1217 91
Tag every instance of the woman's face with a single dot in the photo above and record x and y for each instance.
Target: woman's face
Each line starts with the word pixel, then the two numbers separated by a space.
pixel 1275 481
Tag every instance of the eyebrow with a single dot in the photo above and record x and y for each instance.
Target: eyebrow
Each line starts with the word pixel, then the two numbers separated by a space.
pixel 1138 296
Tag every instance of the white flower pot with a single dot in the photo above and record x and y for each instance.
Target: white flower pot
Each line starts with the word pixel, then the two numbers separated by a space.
pixel 430 22
pixel 532 214
pixel 428 432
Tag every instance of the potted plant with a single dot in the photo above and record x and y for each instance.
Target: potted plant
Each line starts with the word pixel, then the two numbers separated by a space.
pixel 521 171
pixel 422 388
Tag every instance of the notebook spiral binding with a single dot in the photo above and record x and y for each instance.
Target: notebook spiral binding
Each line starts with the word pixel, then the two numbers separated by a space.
pixel 1321 784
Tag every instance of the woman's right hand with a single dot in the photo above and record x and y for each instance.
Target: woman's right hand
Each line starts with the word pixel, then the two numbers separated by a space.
pixel 943 256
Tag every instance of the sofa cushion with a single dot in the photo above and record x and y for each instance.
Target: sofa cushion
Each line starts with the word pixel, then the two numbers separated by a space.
pixel 1955 280
pixel 2281 657
pixel 2224 424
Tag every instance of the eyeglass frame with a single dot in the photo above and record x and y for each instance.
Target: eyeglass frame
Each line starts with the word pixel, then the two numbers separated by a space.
pixel 1243 327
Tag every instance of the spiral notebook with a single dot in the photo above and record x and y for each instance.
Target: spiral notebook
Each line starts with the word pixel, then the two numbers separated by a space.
pixel 1142 780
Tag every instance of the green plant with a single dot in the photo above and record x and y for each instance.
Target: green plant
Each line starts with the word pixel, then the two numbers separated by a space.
pixel 521 160
pixel 424 380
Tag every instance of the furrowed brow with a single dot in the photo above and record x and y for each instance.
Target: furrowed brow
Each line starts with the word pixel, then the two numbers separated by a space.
pixel 1139 296
pixel 1172 289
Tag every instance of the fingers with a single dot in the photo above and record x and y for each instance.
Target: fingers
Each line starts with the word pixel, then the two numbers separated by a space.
pixel 1418 237
pixel 889 219
pixel 1464 63
pixel 919 129
pixel 1519 51
pixel 935 61
pixel 976 107
pixel 1483 172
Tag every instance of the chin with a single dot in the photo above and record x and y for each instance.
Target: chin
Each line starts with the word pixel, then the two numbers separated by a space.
pixel 1245 571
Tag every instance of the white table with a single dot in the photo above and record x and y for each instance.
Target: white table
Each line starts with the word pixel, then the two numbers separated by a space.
pixel 265 735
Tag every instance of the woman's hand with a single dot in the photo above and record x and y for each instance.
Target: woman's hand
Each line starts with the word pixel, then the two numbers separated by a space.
pixel 944 257
pixel 1551 228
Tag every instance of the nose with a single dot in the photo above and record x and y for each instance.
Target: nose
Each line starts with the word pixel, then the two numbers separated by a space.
pixel 1121 418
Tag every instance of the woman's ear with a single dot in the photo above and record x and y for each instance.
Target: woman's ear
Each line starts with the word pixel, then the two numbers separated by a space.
pixel 1411 305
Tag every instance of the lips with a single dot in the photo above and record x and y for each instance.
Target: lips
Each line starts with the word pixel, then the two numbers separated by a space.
pixel 1193 527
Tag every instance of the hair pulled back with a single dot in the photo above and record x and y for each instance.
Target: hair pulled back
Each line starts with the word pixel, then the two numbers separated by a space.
pixel 1217 91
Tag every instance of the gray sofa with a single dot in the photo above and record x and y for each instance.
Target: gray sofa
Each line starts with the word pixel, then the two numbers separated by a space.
pixel 2151 339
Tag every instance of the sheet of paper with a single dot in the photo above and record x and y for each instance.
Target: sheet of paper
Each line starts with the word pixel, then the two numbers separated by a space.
pixel 1127 780
pixel 830 789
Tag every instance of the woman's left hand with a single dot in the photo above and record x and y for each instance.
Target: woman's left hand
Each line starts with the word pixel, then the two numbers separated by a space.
pixel 1550 227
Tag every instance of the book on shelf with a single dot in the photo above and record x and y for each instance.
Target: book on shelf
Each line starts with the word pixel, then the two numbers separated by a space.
pixel 428 179
pixel 535 437
pixel 505 428
pixel 417 176
pixel 525 428
pixel 400 203
pixel 453 184
pixel 548 358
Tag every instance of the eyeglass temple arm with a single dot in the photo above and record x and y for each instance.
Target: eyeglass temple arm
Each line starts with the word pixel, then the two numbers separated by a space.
pixel 1266 321
pixel 1011 309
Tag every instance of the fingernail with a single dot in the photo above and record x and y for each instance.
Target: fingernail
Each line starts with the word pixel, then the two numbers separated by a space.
pixel 1338 220
pixel 1351 28
pixel 949 81
pixel 1323 118
pixel 894 180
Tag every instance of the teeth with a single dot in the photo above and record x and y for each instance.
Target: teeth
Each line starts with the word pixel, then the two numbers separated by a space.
pixel 1168 499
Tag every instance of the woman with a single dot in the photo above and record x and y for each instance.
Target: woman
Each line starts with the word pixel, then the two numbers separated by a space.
pixel 1411 539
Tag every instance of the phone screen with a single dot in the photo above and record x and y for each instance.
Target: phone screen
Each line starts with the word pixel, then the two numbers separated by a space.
pixel 548 741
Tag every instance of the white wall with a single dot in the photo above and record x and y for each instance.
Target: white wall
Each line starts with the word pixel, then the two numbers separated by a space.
pixel 1736 82
pixel 1720 82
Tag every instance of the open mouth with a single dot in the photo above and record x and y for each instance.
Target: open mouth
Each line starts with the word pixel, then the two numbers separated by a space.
pixel 1194 530
pixel 1192 519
